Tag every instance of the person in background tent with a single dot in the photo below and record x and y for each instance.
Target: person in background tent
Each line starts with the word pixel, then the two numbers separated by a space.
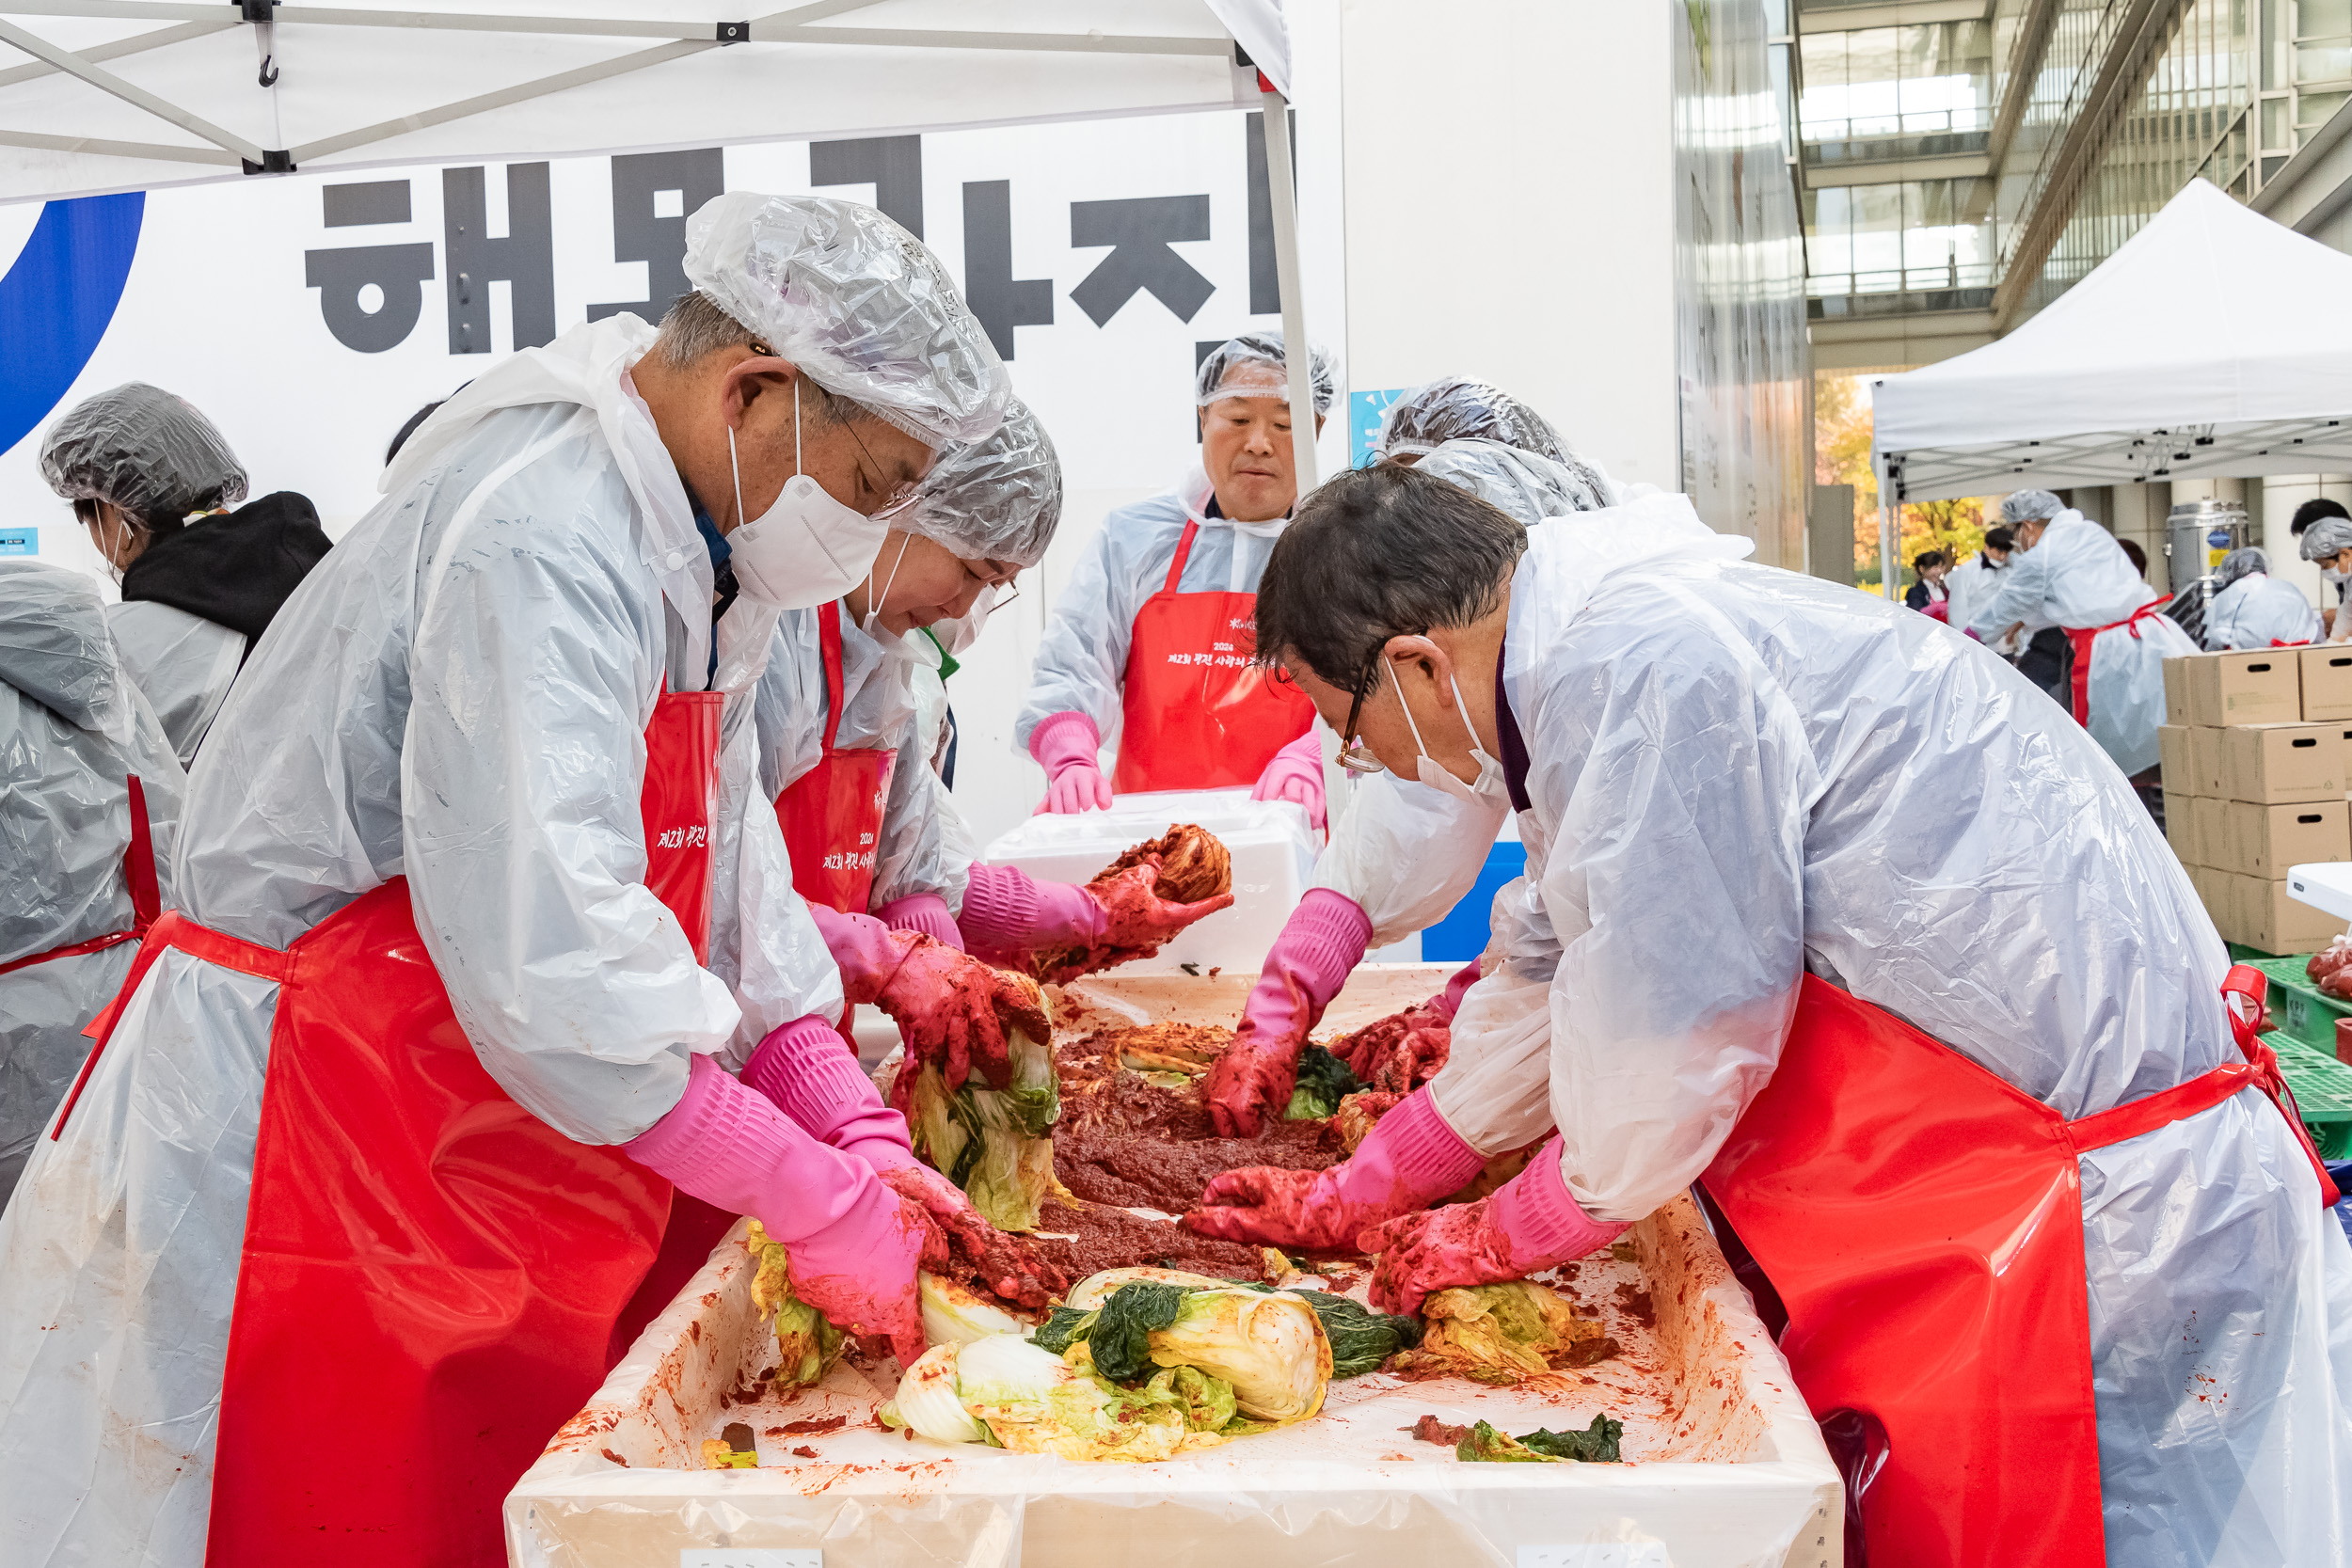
pixel 2305 516
pixel 153 480
pixel 2326 543
pixel 1406 849
pixel 1857 931
pixel 1975 580
pixel 2251 608
pixel 89 812
pixel 478 901
pixel 1151 638
pixel 1928 594
pixel 2075 578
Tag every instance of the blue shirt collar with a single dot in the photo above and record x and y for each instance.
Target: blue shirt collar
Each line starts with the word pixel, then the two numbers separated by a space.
pixel 714 541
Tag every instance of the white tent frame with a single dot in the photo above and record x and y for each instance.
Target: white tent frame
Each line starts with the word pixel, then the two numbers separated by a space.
pixel 671 40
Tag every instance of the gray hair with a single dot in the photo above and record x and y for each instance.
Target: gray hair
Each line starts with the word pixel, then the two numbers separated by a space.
pixel 2030 506
pixel 697 326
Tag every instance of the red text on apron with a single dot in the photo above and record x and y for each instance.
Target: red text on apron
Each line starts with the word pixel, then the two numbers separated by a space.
pixel 833 814
pixel 2081 638
pixel 1197 716
pixel 139 870
pixel 431 1274
pixel 1921 1220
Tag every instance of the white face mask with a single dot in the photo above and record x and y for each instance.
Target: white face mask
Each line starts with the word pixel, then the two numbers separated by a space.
pixel 873 599
pixel 807 548
pixel 2332 574
pixel 1489 792
pixel 964 631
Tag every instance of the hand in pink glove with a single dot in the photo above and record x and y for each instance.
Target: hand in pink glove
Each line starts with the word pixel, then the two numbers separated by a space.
pixel 1322 942
pixel 1295 774
pixel 1449 1001
pixel 1069 747
pixel 1411 1159
pixel 854 1245
pixel 926 913
pixel 1010 915
pixel 953 1011
pixel 1529 1223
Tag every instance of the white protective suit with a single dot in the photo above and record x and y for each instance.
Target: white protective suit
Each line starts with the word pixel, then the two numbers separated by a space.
pixel 2257 612
pixel 1082 663
pixel 1970 587
pixel 183 663
pixel 924 845
pixel 71 728
pixel 2078 576
pixel 460 694
pixel 1739 774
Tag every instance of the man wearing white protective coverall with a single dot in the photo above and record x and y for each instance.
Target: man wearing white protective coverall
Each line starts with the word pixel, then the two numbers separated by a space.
pixel 1846 920
pixel 1402 854
pixel 2072 574
pixel 390 1118
pixel 2251 608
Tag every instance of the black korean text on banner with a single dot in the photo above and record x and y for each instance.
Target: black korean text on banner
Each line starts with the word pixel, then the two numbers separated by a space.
pixel 1139 231
pixel 343 275
pixel 524 259
pixel 1001 301
pixel 892 164
pixel 652 195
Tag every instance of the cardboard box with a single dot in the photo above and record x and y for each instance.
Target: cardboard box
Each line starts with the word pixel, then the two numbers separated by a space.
pixel 2326 682
pixel 2216 891
pixel 2273 764
pixel 2279 923
pixel 2172 755
pixel 2180 828
pixel 2211 832
pixel 2262 841
pixel 2258 685
pixel 2176 710
pixel 2208 758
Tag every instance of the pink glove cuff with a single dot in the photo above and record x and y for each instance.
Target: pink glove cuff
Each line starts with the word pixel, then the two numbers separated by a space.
pixel 1007 912
pixel 926 913
pixel 1322 942
pixel 726 1144
pixel 866 952
pixel 1545 1223
pixel 1062 739
pixel 1449 1001
pixel 1429 1159
pixel 811 1076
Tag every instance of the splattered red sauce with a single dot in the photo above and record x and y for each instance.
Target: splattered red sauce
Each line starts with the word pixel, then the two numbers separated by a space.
pixel 1114 1239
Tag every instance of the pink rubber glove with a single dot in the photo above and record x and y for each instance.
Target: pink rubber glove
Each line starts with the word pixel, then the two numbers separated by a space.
pixel 1323 940
pixel 1529 1223
pixel 1069 747
pixel 854 1244
pixel 1295 774
pixel 1449 1001
pixel 926 913
pixel 952 1010
pixel 806 1071
pixel 1409 1161
pixel 1010 915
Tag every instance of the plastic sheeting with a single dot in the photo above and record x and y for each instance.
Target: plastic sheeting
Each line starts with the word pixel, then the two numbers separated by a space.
pixel 2257 611
pixel 181 663
pixel 1740 774
pixel 149 451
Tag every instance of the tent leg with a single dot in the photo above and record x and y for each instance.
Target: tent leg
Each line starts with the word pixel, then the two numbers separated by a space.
pixel 1890 570
pixel 1285 199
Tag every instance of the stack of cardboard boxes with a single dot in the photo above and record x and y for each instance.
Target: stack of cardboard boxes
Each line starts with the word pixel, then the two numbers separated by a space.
pixel 2257 760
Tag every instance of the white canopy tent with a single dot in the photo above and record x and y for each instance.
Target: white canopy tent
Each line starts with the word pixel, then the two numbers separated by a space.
pixel 2213 343
pixel 135 94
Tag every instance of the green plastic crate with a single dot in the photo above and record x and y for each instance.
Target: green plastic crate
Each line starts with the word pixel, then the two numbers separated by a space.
pixel 2298 1009
pixel 2323 1092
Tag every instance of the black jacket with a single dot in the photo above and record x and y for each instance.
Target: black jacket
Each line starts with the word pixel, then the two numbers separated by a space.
pixel 234 568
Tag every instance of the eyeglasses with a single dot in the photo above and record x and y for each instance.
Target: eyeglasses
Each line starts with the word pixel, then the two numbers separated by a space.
pixel 894 499
pixel 1354 756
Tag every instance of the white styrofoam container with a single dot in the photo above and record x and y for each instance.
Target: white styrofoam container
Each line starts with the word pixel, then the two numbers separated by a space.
pixel 1273 845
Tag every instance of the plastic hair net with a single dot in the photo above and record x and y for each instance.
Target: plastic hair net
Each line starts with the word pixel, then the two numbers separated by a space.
pixel 1251 366
pixel 997 499
pixel 1526 486
pixel 858 303
pixel 2025 506
pixel 2326 537
pixel 151 453
pixel 1454 408
pixel 2237 564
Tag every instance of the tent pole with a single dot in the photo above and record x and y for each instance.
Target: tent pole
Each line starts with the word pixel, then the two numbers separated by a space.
pixel 1890 571
pixel 1296 358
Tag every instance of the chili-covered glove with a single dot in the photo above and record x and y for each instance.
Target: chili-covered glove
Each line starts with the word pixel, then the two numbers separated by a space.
pixel 1069 747
pixel 1295 773
pixel 1409 1161
pixel 926 913
pixel 854 1244
pixel 1323 940
pixel 1008 915
pixel 953 1011
pixel 1529 1223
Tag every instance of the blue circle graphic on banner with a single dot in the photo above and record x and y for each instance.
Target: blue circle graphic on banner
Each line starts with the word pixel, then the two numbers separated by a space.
pixel 57 300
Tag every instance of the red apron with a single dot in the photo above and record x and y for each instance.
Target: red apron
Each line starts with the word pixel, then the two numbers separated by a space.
pixel 2080 637
pixel 1198 717
pixel 431 1274
pixel 1922 1220
pixel 138 869
pixel 833 814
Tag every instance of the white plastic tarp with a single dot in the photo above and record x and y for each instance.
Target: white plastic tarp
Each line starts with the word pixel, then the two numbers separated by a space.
pixel 2209 344
pixel 133 94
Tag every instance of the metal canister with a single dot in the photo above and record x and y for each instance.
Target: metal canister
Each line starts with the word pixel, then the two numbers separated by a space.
pixel 2196 535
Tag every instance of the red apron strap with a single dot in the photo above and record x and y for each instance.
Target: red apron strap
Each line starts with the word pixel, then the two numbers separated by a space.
pixel 139 862
pixel 2081 638
pixel 829 654
pixel 1184 553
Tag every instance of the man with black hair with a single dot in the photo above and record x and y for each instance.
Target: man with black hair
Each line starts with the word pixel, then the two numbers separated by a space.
pixel 2315 510
pixel 1845 920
